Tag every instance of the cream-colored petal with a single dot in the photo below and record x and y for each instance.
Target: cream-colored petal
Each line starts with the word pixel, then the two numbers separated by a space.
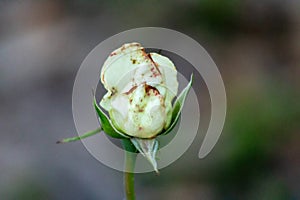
pixel 127 67
pixel 140 114
pixel 168 71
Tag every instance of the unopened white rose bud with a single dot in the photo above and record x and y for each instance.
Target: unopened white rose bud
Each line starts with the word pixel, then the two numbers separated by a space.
pixel 140 88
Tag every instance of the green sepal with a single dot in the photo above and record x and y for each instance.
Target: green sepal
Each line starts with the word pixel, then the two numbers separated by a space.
pixel 107 125
pixel 178 105
pixel 129 146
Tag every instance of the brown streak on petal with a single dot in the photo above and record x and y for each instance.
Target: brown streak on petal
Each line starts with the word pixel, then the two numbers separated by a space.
pixel 155 64
pixel 131 90
pixel 149 56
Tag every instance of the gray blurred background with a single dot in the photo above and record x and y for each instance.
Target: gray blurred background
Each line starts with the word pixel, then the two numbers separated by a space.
pixel 255 44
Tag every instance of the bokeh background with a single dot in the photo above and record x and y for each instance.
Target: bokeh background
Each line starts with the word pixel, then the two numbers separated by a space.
pixel 255 44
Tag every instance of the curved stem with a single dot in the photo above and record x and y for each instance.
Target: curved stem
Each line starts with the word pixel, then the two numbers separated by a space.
pixel 130 158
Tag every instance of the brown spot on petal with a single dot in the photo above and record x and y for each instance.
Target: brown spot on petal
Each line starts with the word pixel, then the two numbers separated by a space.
pixel 113 91
pixel 133 61
pixel 156 74
pixel 150 89
pixel 113 54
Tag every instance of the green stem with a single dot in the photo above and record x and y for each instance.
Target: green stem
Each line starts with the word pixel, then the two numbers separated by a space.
pixel 85 135
pixel 130 158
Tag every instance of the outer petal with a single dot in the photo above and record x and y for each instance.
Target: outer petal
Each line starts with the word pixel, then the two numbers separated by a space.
pixel 126 68
pixel 168 71
pixel 169 86
pixel 139 114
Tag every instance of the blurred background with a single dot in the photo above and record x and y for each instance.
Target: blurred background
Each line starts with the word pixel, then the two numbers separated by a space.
pixel 255 44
